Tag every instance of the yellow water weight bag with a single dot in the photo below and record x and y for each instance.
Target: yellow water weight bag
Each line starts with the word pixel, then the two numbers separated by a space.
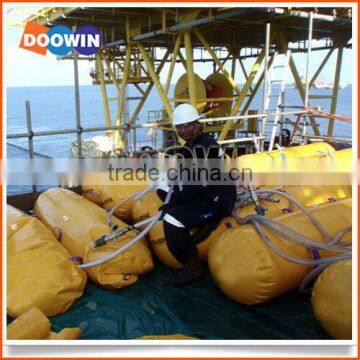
pixel 108 196
pixel 309 196
pixel 34 325
pixel 79 223
pixel 332 299
pixel 39 270
pixel 282 160
pixel 65 334
pixel 249 271
pixel 146 207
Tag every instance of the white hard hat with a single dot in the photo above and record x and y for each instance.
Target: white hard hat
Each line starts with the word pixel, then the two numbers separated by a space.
pixel 184 113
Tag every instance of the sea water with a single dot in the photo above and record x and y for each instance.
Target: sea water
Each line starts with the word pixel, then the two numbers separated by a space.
pixel 53 108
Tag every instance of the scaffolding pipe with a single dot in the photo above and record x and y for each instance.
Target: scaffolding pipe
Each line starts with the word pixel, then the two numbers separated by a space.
pixel 335 90
pixel 329 138
pixel 306 99
pixel 225 16
pixel 310 31
pixel 74 131
pixel 305 15
pixel 29 128
pixel 77 103
pixel 265 89
pixel 241 140
pixel 254 116
pixel 293 50
pixel 127 127
pixel 180 27
pixel 30 135
pixel 190 68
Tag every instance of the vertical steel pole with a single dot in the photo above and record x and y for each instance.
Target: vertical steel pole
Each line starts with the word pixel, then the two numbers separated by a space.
pixel 155 79
pixel 335 90
pixel 306 100
pixel 244 91
pixel 233 66
pixel 265 89
pixel 119 137
pixel 310 30
pixel 77 102
pixel 103 89
pixel 30 136
pixel 134 134
pixel 190 68
pixel 29 128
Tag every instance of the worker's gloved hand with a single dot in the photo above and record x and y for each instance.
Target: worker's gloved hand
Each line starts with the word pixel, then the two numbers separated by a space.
pixel 161 194
pixel 164 208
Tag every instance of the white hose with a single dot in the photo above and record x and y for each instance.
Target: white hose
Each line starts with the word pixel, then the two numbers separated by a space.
pixel 298 260
pixel 117 252
pixel 291 235
pixel 301 207
pixel 135 196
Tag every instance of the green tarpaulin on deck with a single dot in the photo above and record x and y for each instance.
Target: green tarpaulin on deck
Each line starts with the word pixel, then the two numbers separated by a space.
pixel 201 310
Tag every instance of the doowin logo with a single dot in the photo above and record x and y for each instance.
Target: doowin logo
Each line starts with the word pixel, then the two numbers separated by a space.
pixel 60 40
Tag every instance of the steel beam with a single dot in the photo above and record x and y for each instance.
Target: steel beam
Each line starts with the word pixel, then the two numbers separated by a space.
pixel 172 63
pixel 155 79
pixel 183 26
pixel 256 88
pixel 297 79
pixel 148 89
pixel 242 94
pixel 182 59
pixel 244 70
pixel 217 61
pixel 119 139
pixel 321 66
pixel 223 61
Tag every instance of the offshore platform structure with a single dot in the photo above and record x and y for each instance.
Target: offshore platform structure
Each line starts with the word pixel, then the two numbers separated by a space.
pixel 140 44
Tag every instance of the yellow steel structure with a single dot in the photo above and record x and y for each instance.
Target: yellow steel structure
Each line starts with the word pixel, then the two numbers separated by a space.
pixel 103 89
pixel 138 42
pixel 190 69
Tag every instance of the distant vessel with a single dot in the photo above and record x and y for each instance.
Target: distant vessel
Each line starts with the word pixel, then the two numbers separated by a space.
pixel 321 84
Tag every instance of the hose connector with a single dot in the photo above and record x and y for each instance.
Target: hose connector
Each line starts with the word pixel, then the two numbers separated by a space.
pixel 260 210
pixel 99 242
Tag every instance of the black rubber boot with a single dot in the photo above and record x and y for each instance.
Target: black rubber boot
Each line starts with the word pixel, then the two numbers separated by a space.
pixel 192 271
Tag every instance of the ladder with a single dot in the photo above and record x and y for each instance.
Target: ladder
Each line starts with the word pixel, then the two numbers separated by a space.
pixel 271 127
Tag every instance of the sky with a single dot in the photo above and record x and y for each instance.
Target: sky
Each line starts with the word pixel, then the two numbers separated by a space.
pixel 25 68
